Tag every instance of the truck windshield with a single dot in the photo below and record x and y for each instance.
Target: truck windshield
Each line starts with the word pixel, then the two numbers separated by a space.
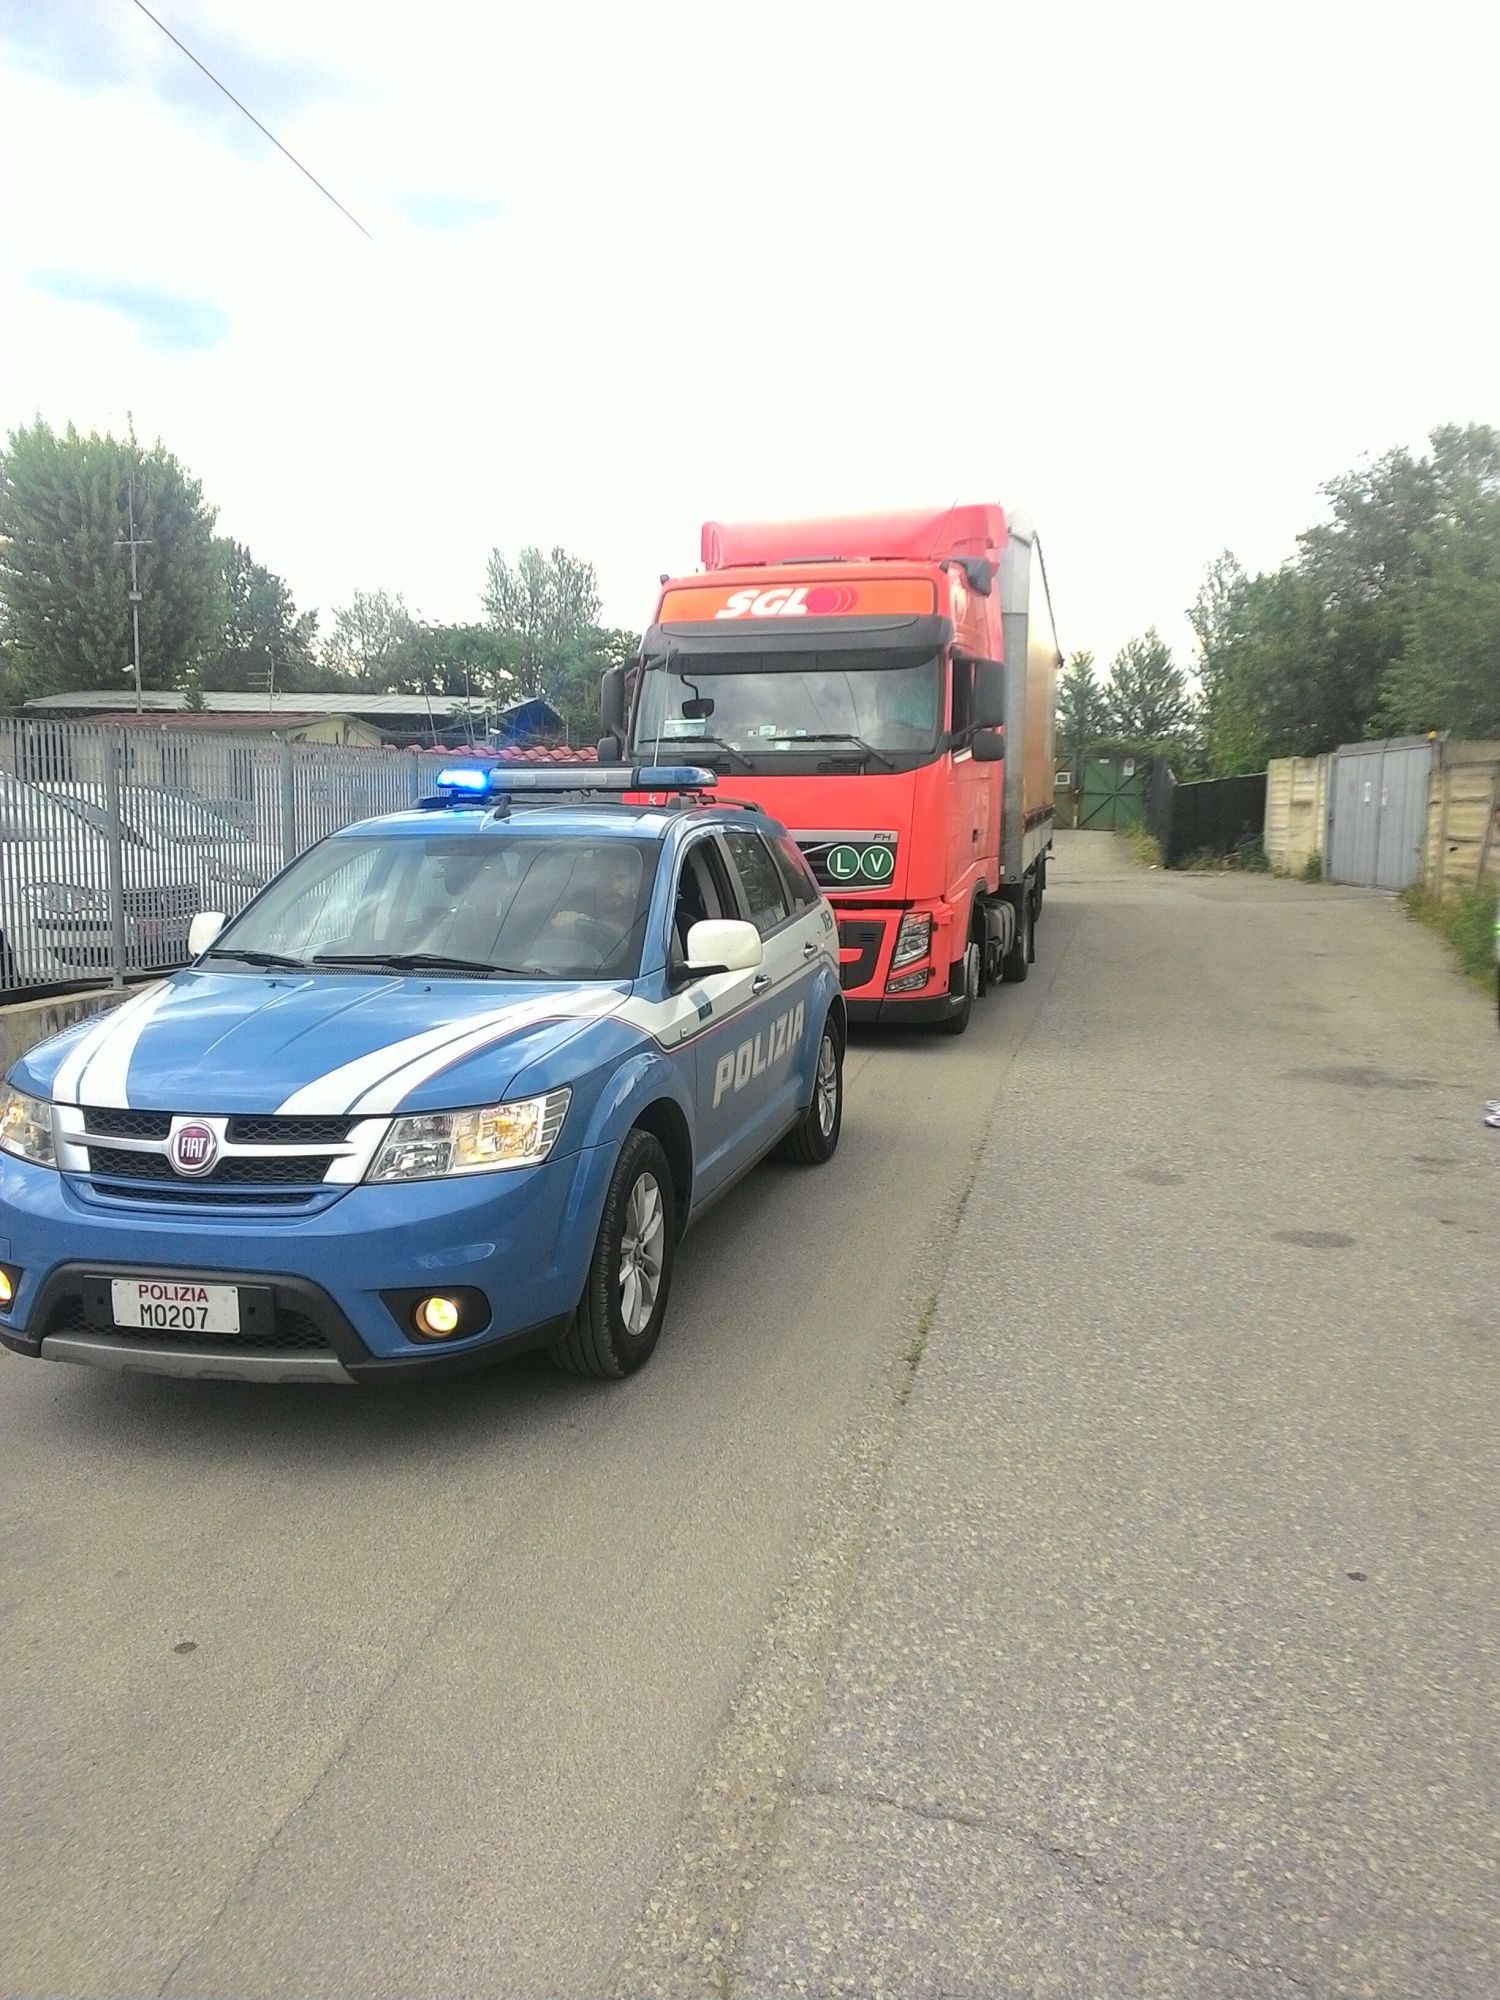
pixel 772 706
pixel 523 906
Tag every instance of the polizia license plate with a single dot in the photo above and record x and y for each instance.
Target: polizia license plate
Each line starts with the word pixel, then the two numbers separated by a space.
pixel 173 1305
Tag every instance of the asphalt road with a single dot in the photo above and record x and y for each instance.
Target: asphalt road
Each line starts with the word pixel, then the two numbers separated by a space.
pixel 1051 1553
pixel 403 1692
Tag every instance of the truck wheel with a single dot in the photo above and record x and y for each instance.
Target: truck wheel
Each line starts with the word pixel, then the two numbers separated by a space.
pixel 816 1138
pixel 630 1273
pixel 964 979
pixel 1017 961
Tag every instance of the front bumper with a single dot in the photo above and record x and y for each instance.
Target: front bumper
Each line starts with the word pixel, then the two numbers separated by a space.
pixel 322 1282
pixel 867 942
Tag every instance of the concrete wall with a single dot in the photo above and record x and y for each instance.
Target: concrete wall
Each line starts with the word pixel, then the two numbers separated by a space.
pixel 1463 818
pixel 24 1023
pixel 1296 811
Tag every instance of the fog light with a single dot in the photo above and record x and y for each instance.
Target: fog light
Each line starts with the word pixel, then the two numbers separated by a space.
pixel 908 982
pixel 437 1317
pixel 7 1290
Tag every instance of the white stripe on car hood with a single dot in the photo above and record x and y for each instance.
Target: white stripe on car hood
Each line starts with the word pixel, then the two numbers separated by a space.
pixel 376 1083
pixel 103 1055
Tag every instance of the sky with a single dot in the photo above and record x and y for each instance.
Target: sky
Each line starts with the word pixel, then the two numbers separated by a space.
pixel 1154 272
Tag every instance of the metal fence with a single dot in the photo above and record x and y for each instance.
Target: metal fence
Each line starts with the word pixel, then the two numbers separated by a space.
pixel 112 839
pixel 1216 816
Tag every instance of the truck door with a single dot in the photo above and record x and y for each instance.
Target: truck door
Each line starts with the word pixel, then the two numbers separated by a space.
pixel 973 830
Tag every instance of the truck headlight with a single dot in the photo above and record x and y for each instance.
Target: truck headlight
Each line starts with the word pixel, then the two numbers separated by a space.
pixel 26 1127
pixel 913 940
pixel 436 1143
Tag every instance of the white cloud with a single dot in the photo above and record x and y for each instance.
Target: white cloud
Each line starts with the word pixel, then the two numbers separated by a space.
pixel 1157 271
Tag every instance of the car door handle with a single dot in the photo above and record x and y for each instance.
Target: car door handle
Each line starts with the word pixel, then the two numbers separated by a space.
pixel 809 950
pixel 760 982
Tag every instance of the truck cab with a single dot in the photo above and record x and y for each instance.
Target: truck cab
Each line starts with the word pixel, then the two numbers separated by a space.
pixel 885 687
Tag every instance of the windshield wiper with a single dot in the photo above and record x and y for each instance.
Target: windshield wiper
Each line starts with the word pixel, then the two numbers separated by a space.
pixel 687 743
pixel 844 736
pixel 271 960
pixel 422 961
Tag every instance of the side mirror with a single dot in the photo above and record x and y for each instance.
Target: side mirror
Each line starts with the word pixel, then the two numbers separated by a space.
pixel 612 702
pixel 988 746
pixel 723 945
pixel 988 710
pixel 610 750
pixel 204 930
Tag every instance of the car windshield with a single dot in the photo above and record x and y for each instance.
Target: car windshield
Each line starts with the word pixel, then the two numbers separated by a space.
pixel 789 702
pixel 496 902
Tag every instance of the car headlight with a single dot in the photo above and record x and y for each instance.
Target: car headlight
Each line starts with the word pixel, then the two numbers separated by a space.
pixel 26 1127
pixel 913 940
pixel 63 899
pixel 436 1143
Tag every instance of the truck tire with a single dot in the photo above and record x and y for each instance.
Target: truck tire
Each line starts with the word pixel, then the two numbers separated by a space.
pixel 815 1140
pixel 624 1302
pixel 965 970
pixel 1017 961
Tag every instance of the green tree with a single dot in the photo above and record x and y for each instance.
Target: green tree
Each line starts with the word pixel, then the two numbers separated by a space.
pixel 65 504
pixel 1448 676
pixel 1082 709
pixel 471 661
pixel 267 645
pixel 366 639
pixel 1148 694
pixel 545 604
pixel 573 679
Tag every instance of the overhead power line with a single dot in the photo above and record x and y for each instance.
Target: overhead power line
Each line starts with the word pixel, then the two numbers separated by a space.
pixel 253 119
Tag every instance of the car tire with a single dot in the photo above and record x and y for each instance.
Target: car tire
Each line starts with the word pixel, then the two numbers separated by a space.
pixel 966 969
pixel 816 1139
pixel 619 1317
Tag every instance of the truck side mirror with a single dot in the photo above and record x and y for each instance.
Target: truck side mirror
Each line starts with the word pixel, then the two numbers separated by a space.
pixel 612 702
pixel 988 746
pixel 610 750
pixel 989 694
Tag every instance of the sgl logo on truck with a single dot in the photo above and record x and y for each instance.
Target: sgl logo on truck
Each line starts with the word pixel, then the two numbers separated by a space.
pixel 736 1067
pixel 784 600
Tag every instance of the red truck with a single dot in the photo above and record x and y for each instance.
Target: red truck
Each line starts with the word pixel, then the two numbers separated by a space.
pixel 886 687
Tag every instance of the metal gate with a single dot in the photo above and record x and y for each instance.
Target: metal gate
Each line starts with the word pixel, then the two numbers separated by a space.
pixel 1377 820
pixel 1114 793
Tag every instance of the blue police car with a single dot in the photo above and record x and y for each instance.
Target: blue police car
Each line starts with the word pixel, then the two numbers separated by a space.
pixel 454 1084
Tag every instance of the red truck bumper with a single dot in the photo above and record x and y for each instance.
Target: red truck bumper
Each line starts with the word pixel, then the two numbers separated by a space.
pixel 867 943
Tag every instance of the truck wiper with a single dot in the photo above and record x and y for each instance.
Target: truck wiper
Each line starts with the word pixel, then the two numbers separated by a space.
pixel 694 742
pixel 270 960
pixel 421 961
pixel 845 736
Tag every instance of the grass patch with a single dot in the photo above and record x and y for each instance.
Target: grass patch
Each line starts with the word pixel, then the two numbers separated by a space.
pixel 1312 868
pixel 1466 920
pixel 1142 844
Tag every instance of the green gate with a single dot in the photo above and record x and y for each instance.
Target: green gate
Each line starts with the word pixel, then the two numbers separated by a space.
pixel 1114 793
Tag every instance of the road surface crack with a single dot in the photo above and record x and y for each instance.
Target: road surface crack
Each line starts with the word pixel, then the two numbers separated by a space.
pixel 1080 1870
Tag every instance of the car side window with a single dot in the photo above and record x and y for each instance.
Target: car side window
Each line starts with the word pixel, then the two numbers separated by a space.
pixel 796 874
pixel 766 895
pixel 703 892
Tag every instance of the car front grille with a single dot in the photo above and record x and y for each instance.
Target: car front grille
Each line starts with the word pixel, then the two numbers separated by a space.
pixel 266 1170
pixel 115 1124
pixel 290 1332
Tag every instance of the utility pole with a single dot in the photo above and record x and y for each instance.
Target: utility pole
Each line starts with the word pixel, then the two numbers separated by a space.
pixel 134 594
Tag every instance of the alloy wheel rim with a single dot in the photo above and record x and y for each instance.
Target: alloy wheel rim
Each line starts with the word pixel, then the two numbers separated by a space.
pixel 828 1087
pixel 641 1244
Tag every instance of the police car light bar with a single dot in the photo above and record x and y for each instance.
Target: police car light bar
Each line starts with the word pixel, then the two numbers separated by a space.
pixel 486 781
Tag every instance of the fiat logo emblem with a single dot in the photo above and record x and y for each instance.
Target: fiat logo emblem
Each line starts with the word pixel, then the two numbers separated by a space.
pixel 194 1149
